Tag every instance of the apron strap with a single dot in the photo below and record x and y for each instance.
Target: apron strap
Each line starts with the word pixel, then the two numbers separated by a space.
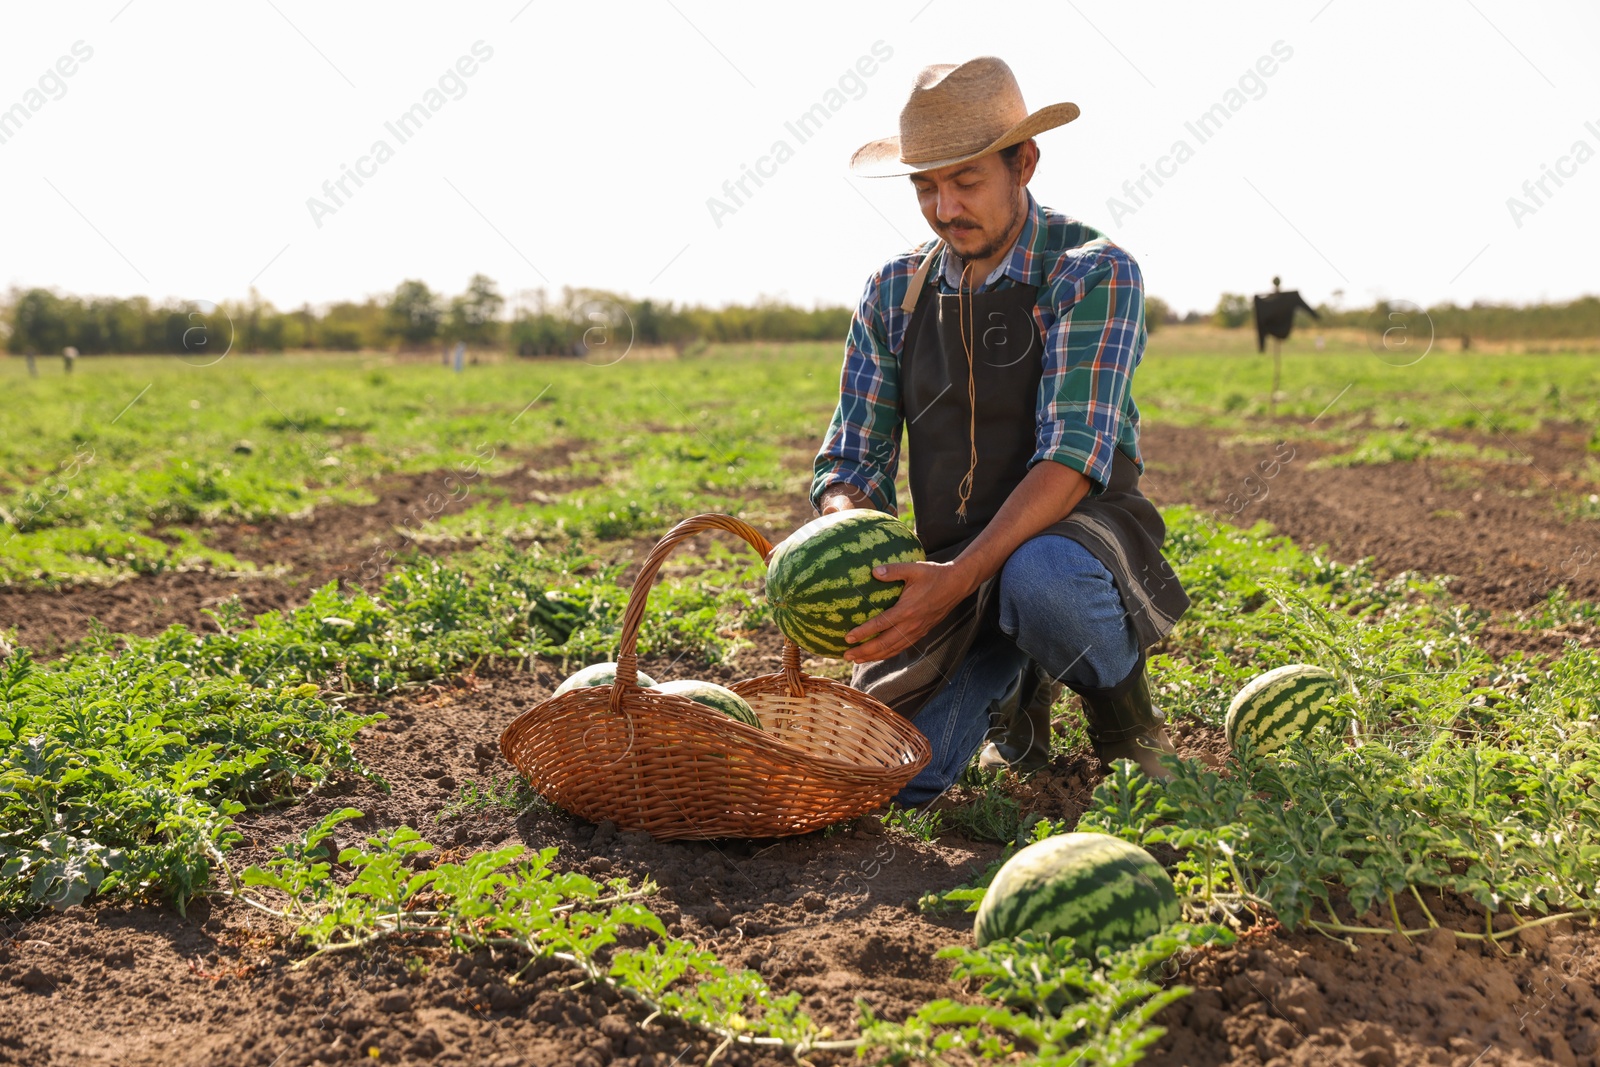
pixel 909 304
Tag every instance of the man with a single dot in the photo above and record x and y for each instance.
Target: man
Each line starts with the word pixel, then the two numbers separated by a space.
pixel 1004 351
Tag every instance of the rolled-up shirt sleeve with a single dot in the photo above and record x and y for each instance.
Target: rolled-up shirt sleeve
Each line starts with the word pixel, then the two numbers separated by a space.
pixel 1094 332
pixel 862 448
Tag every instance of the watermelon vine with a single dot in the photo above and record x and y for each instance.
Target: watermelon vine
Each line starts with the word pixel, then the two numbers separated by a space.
pixel 1042 996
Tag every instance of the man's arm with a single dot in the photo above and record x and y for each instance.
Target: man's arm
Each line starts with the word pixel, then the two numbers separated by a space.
pixel 1091 348
pixel 861 454
pixel 1093 341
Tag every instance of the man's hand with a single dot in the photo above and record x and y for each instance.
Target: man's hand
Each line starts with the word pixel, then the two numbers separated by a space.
pixel 841 496
pixel 931 592
pixel 1048 493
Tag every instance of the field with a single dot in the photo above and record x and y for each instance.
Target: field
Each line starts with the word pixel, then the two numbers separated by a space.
pixel 267 618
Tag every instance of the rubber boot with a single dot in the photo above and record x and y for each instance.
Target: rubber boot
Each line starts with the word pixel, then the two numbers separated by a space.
pixel 1023 718
pixel 1123 723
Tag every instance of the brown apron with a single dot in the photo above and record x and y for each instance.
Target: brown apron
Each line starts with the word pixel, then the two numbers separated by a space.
pixel 1119 527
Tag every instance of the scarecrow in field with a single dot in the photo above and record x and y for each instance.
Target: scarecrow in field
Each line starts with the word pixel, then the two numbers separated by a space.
pixel 1004 350
pixel 1275 313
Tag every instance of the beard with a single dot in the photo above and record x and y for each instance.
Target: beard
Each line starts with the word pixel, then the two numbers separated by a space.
pixel 994 241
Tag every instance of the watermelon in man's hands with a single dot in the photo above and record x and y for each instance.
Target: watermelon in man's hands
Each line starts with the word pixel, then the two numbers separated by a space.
pixel 820 583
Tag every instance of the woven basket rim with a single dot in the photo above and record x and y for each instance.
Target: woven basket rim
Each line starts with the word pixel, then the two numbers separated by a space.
pixel 769 742
pixel 807 786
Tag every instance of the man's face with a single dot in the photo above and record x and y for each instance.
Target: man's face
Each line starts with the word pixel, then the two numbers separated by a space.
pixel 976 207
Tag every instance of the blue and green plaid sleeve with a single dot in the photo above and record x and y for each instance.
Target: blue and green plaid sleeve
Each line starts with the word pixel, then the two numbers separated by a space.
pixel 1092 318
pixel 863 443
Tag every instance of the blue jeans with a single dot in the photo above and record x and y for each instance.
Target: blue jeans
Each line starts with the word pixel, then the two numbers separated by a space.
pixel 1059 608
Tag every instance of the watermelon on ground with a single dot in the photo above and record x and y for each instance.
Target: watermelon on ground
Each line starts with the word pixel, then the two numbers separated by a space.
pixel 715 696
pixel 819 581
pixel 1282 705
pixel 1095 888
pixel 598 674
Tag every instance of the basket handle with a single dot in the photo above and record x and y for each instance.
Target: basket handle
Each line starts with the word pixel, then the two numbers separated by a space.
pixel 627 644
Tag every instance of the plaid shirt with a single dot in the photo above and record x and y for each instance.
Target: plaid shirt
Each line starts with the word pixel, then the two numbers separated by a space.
pixel 1090 313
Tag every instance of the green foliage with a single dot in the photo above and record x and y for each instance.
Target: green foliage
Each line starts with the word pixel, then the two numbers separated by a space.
pixel 120 774
pixel 98 467
pixel 1400 646
pixel 1341 393
pixel 43 321
pixel 920 825
pixel 475 315
pixel 1578 318
pixel 990 816
pixel 512 898
pixel 1405 446
pixel 434 617
pixel 1558 612
pixel 1233 310
pixel 1157 313
pixel 1466 777
pixel 1045 999
pixel 414 313
pixel 1039 992
pixel 120 771
pixel 507 794
pixel 1579 507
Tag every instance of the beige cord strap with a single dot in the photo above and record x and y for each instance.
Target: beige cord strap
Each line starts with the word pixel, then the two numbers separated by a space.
pixel 909 304
pixel 967 341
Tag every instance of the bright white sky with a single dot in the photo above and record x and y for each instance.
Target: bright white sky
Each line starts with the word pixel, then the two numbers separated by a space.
pixel 179 159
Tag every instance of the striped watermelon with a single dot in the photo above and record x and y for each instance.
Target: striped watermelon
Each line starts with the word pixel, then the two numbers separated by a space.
pixel 1282 705
pixel 715 696
pixel 1095 888
pixel 598 674
pixel 820 583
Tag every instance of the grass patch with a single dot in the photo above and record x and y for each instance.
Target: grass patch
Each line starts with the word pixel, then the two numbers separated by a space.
pixel 990 816
pixel 1407 447
pixel 89 480
pixel 122 764
pixel 1038 993
pixel 918 825
pixel 1558 612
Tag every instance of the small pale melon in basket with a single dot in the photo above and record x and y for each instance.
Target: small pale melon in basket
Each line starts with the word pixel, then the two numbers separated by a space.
pixel 598 674
pixel 820 583
pixel 714 696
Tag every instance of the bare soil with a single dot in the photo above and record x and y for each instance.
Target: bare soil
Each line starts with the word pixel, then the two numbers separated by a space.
pixel 1495 528
pixel 351 544
pixel 141 985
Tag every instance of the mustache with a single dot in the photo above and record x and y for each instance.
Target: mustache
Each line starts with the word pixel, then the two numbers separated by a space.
pixel 962 222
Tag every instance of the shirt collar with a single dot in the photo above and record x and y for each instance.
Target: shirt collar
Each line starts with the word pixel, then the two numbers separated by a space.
pixel 1024 265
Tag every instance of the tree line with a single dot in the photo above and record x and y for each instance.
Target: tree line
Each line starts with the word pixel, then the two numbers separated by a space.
pixel 414 317
pixel 1574 319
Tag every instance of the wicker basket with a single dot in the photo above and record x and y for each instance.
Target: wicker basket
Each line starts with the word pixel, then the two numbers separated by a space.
pixel 662 763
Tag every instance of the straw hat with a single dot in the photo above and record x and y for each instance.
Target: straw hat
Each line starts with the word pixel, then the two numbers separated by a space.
pixel 957 113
